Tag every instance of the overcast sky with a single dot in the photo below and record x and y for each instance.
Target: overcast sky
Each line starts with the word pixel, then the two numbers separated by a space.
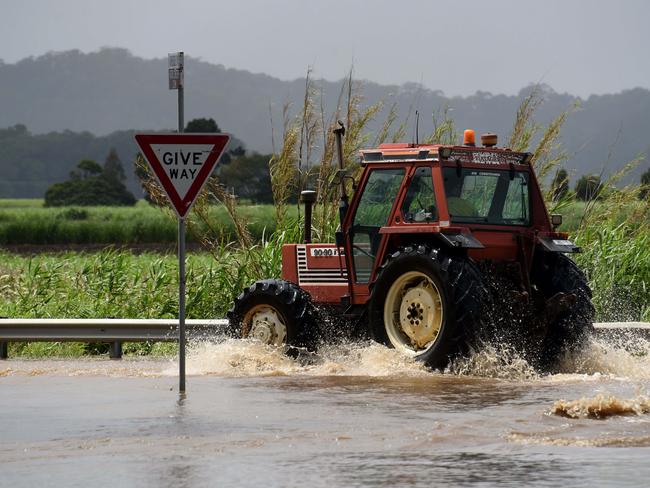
pixel 581 47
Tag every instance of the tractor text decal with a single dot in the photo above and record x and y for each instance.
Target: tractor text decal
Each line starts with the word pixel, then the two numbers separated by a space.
pixel 487 157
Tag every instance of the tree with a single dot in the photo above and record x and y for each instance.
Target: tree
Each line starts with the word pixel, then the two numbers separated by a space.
pixel 91 184
pixel 87 168
pixel 644 193
pixel 113 167
pixel 88 192
pixel 248 177
pixel 560 185
pixel 588 187
pixel 202 125
pixel 208 126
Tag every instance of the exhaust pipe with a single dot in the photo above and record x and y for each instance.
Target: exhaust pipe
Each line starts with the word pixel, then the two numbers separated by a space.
pixel 308 197
pixel 343 202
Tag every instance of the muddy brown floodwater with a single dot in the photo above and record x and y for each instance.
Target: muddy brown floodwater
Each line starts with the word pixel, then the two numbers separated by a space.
pixel 355 415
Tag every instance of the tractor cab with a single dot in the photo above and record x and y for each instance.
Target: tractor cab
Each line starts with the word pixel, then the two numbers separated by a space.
pixel 482 201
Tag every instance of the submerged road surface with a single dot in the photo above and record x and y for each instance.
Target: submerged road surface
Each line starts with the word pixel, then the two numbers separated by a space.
pixel 357 415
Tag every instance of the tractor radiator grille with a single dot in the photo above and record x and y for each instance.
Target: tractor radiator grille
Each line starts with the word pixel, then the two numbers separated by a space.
pixel 320 276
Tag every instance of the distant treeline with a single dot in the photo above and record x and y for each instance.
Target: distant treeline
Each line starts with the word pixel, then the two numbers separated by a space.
pixel 30 163
pixel 111 90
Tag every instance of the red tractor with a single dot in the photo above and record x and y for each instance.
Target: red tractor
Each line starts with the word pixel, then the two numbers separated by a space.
pixel 440 246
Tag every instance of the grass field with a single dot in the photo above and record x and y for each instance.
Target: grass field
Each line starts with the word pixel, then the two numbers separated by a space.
pixel 28 222
pixel 21 203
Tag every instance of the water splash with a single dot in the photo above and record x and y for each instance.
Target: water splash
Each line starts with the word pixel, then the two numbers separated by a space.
pixel 234 358
pixel 367 359
pixel 500 361
pixel 600 357
pixel 630 360
pixel 601 406
pixel 237 358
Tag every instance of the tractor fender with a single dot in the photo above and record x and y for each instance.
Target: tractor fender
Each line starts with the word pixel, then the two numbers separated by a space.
pixel 558 245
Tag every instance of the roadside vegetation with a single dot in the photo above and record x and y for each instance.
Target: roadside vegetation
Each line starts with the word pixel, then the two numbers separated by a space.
pixel 120 284
pixel 243 243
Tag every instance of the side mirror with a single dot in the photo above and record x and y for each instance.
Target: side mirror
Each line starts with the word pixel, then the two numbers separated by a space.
pixel 556 220
pixel 339 239
pixel 340 176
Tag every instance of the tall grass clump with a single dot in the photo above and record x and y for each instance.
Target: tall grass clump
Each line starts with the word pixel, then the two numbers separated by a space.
pixel 612 228
pixel 317 156
pixel 614 234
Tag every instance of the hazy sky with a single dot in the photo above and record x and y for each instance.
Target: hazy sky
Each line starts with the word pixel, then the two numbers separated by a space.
pixel 581 47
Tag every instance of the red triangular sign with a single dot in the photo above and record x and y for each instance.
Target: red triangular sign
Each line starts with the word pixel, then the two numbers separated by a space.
pixel 182 163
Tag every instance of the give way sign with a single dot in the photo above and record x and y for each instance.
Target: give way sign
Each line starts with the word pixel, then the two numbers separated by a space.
pixel 182 163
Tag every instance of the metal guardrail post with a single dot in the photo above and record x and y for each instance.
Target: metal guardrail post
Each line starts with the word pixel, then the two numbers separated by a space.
pixel 116 350
pixel 4 350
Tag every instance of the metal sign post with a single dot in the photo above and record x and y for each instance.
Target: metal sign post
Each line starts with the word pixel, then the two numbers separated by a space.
pixel 176 81
pixel 181 304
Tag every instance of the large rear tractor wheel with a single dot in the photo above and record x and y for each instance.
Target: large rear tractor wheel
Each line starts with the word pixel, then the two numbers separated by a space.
pixel 427 304
pixel 275 312
pixel 570 313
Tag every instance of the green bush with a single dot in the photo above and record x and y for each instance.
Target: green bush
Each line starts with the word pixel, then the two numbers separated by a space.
pixel 94 190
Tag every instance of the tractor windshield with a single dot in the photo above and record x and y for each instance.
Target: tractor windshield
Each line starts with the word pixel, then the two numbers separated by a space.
pixel 487 197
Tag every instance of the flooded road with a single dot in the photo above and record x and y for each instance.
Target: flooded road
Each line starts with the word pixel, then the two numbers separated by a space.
pixel 356 415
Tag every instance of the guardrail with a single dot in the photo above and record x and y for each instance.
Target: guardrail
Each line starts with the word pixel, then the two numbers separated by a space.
pixel 111 331
pixel 117 331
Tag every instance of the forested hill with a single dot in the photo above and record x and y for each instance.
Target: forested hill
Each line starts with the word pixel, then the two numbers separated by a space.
pixel 31 162
pixel 110 92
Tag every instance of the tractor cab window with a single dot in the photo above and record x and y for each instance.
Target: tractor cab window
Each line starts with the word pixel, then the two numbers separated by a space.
pixel 373 211
pixel 420 200
pixel 487 197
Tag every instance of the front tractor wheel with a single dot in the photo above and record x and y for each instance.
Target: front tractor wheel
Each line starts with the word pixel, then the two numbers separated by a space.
pixel 427 304
pixel 275 312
